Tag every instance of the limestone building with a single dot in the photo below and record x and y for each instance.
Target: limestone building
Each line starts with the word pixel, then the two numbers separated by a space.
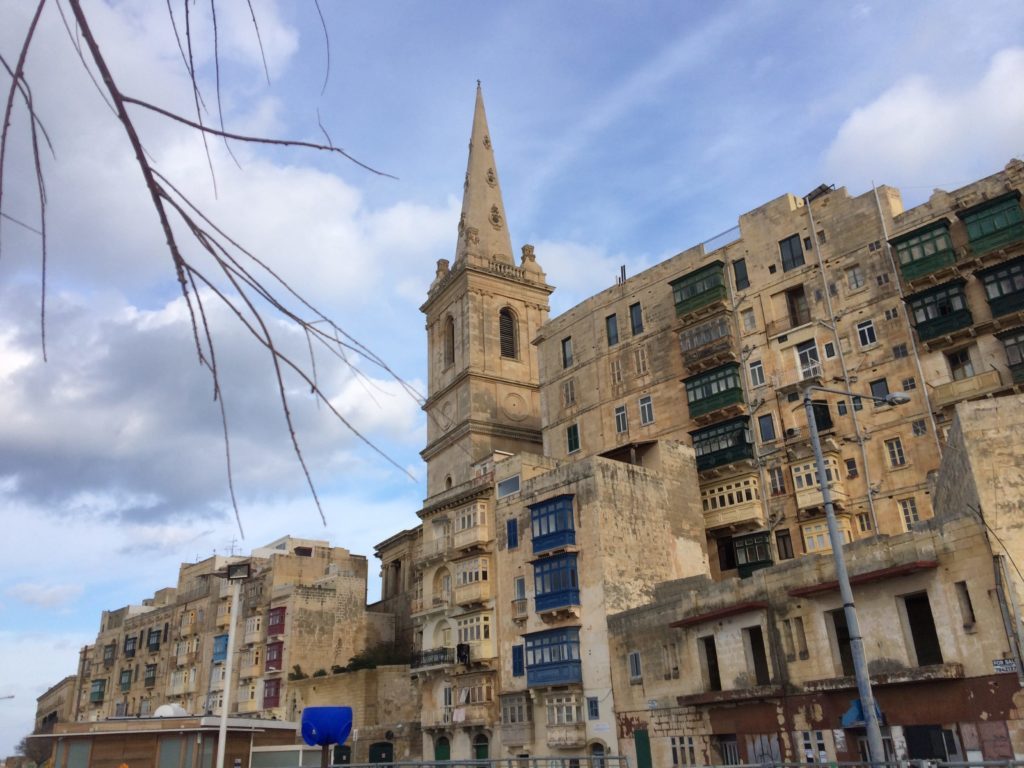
pixel 303 612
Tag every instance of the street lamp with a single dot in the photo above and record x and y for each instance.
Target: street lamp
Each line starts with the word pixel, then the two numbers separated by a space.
pixel 235 573
pixel 876 751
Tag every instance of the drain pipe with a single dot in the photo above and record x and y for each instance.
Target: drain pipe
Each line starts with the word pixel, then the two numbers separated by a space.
pixel 846 372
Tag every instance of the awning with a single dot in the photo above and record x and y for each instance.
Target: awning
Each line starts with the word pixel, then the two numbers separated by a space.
pixel 854 716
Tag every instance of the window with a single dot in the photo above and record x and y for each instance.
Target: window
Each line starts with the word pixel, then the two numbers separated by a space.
pixel 939 310
pixel 616 371
pixel 966 607
pixel 567 352
pixel 960 366
pixel 752 552
pixel 866 333
pixel 1004 286
pixel 899 351
pixel 553 657
pixel 908 508
pixel 473 629
pixel 149 679
pixel 791 252
pixel 275 655
pixel 471 571
pixel 109 653
pixel 518 661
pixel 515 708
pixel 449 341
pixel 593 708
pixel 757 659
pixel 709 663
pixel 841 407
pixel 924 639
pixel 572 438
pixel 126 680
pixel 552 524
pixel 508 486
pixel 568 392
pixel 1013 343
pixel 863 522
pixel 611 329
pixel 756 373
pixel 797 307
pixel 766 425
pixel 814 747
pixel 640 358
pixel 563 709
pixel 882 279
pixel 635 670
pixel 475 690
pixel 706 333
pixel 699 288
pixel 636 319
pixel 858 404
pixel 851 468
pixel 994 222
pixel 153 640
pixel 816 538
pixel 507 333
pixel 466 518
pixel 722 443
pixel 714 389
pixel 784 543
pixel 512 532
pixel 919 428
pixel 808 360
pixel 777 481
pixel 684 751
pixel 830 349
pixel 621 422
pixel 854 277
pixel 275 621
pixel 646 410
pixel 894 451
pixel 739 273
pixel 879 390
pixel 730 494
pixel 97 691
pixel 129 646
pixel 272 692
pixel 908 384
pixel 748 319
pixel 931 248
pixel 556 582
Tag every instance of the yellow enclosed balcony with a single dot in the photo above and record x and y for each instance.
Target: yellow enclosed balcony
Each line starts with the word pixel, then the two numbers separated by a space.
pixel 567 735
pixel 733 503
pixel 249 705
pixel 808 491
pixel 474 592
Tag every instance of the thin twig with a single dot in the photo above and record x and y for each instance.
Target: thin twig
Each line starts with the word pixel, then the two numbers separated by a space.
pixel 252 139
pixel 327 47
pixel 259 41
pixel 196 97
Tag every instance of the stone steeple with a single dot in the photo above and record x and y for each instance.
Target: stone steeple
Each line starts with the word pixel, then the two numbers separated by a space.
pixel 483 229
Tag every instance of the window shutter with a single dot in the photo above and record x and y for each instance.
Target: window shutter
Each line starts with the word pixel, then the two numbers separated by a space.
pixel 517 661
pixel 512 527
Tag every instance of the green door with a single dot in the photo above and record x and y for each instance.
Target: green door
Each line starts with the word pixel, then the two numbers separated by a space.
pixel 643 749
pixel 481 747
pixel 442 749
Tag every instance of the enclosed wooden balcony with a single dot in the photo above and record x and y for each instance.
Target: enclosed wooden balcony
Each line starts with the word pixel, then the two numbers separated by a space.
pixel 972 387
pixel 475 592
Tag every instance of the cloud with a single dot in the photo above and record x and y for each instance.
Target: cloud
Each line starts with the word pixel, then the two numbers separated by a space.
pixel 926 133
pixel 45 595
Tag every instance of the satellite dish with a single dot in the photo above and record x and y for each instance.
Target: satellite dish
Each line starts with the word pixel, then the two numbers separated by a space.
pixel 170 710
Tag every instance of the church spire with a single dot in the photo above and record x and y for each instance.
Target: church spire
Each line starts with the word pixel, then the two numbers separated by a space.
pixel 483 230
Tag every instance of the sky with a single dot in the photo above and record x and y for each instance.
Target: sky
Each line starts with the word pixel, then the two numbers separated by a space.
pixel 623 133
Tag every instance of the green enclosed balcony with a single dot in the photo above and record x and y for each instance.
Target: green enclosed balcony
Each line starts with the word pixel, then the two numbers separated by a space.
pixel 994 223
pixel 723 443
pixel 1004 287
pixel 940 311
pixel 714 390
pixel 924 251
pixel 699 289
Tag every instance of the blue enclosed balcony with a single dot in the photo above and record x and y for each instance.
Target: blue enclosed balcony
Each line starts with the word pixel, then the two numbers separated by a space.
pixel 553 657
pixel 552 524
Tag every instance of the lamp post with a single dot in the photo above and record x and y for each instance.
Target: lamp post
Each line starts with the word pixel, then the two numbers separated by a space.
pixel 235 573
pixel 876 750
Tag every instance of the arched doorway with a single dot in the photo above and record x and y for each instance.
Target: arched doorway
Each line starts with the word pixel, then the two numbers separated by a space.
pixel 442 748
pixel 481 747
pixel 382 752
pixel 597 755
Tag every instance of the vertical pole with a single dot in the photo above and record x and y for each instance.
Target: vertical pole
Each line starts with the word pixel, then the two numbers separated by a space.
pixel 222 734
pixel 876 751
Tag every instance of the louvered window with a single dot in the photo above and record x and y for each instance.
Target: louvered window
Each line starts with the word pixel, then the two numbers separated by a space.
pixel 507 331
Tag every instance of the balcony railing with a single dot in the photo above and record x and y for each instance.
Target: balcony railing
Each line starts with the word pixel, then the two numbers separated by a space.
pixel 520 608
pixel 554 601
pixel 716 402
pixel 560 673
pixel 433 657
pixel 1007 303
pixel 807 498
pixel 743 514
pixel 725 456
pixel 434 548
pixel 966 389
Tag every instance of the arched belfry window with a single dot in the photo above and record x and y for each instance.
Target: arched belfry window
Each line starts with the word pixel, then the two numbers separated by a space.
pixel 507 333
pixel 449 341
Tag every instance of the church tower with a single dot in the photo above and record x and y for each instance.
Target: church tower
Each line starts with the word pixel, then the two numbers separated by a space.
pixel 481 311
